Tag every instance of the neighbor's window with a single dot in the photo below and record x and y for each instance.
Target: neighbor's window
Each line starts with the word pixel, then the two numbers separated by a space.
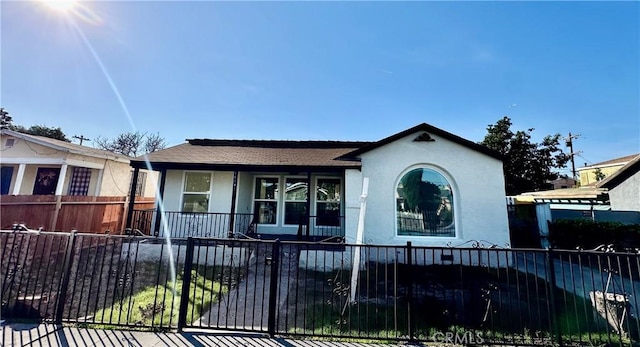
pixel 424 204
pixel 295 200
pixel 328 201
pixel 266 200
pixel 196 192
pixel 80 180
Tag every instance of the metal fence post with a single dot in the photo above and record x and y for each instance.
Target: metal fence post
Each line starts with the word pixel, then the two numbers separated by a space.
pixel 186 282
pixel 66 274
pixel 409 275
pixel 273 289
pixel 552 301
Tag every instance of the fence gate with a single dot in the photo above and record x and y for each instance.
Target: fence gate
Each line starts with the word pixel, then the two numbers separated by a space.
pixel 230 284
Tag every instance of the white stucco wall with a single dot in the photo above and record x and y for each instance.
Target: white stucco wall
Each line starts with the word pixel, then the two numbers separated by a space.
pixel 626 195
pixel 244 193
pixel 116 179
pixel 478 191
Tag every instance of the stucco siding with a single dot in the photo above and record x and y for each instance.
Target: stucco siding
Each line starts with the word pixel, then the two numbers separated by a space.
pixel 116 179
pixel 626 195
pixel 478 191
pixel 24 149
pixel 220 200
pixel 173 190
pixel 245 190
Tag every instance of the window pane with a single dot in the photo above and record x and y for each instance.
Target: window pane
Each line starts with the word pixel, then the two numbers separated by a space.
pixel 197 182
pixel 296 189
pixel 266 188
pixel 195 203
pixel 424 204
pixel 295 212
pixel 328 189
pixel 266 211
pixel 328 214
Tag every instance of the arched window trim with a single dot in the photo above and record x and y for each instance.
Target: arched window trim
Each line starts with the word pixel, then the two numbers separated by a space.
pixel 455 195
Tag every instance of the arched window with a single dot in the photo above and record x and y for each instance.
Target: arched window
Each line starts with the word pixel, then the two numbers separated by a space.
pixel 424 204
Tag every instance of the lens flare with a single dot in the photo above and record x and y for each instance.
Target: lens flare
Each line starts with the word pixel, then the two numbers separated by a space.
pixel 63 6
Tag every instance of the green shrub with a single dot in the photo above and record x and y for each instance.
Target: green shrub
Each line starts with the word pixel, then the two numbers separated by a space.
pixel 587 234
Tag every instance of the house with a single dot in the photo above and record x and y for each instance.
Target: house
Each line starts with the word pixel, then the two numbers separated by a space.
pixel 425 185
pixel 605 169
pixel 624 187
pixel 36 165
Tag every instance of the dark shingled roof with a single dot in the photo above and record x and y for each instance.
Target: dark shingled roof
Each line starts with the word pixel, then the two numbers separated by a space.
pixel 253 153
pixel 279 155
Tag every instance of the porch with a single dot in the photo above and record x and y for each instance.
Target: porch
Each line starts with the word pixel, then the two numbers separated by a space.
pixel 231 225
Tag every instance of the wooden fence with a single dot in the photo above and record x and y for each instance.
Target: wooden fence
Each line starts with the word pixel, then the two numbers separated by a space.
pixel 91 214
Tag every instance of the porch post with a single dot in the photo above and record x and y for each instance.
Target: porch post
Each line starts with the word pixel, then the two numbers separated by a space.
pixel 309 195
pixel 61 177
pixel 234 193
pixel 132 196
pixel 19 177
pixel 159 200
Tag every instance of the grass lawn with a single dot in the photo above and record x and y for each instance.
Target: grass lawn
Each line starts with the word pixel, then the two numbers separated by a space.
pixel 158 306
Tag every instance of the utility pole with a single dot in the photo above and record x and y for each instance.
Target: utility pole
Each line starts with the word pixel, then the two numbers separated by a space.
pixel 572 153
pixel 82 138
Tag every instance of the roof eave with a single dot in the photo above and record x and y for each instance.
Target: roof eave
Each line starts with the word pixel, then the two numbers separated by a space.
pixel 428 128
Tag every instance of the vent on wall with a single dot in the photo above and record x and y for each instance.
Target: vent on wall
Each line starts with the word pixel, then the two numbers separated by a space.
pixel 424 137
pixel 10 142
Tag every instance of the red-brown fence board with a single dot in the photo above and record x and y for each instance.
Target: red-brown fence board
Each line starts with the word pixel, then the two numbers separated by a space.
pixel 92 214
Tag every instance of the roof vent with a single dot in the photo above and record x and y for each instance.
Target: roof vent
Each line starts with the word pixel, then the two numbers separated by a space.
pixel 424 137
pixel 10 142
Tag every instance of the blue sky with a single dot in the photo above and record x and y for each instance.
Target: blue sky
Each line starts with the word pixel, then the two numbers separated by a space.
pixel 328 70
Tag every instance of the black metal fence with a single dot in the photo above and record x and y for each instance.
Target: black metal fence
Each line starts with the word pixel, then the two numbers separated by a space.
pixel 218 225
pixel 444 295
pixel 183 225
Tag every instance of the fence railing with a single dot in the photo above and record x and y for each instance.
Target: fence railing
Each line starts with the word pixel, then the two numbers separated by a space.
pixel 183 225
pixel 322 228
pixel 458 295
pixel 218 225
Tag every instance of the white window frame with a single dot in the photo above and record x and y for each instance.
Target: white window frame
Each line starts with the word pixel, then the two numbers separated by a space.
pixel 183 192
pixel 285 201
pixel 454 196
pixel 277 198
pixel 316 201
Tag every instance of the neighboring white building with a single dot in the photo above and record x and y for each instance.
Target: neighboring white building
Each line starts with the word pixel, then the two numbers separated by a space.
pixel 36 165
pixel 624 187
pixel 426 185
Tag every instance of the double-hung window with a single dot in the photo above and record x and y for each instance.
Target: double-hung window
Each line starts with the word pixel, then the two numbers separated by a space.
pixel 295 200
pixel 266 200
pixel 328 201
pixel 196 191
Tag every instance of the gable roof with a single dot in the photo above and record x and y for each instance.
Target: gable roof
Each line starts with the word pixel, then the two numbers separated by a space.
pixel 429 129
pixel 611 162
pixel 621 175
pixel 67 147
pixel 252 154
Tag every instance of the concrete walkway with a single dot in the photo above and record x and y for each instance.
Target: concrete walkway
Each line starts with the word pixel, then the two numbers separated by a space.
pixel 14 335
pixel 246 305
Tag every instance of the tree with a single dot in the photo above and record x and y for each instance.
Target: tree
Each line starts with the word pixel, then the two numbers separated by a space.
pixel 599 174
pixel 6 122
pixel 528 166
pixel 43 130
pixel 132 143
pixel 5 119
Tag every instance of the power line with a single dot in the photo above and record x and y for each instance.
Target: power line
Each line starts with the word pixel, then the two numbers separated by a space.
pixel 81 138
pixel 572 154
